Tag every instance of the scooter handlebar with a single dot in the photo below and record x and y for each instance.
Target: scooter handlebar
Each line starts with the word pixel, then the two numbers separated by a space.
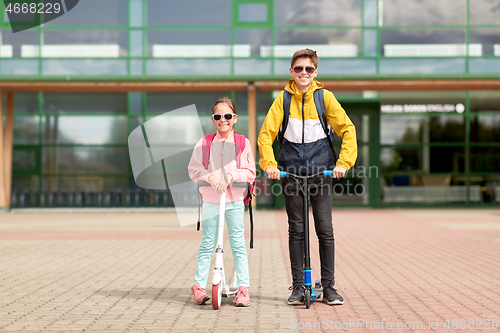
pixel 233 184
pixel 282 174
pixel 325 173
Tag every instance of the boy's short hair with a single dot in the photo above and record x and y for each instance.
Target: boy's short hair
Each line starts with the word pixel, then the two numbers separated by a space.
pixel 305 53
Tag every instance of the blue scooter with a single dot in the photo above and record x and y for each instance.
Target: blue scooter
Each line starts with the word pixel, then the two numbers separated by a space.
pixel 310 293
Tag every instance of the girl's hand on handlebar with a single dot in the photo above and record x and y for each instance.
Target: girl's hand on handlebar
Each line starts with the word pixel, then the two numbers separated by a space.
pixel 273 173
pixel 228 179
pixel 219 185
pixel 338 172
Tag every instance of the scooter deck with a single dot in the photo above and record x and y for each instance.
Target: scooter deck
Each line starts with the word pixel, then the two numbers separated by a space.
pixel 316 293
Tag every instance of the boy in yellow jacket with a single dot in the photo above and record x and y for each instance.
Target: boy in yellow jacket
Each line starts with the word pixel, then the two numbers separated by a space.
pixel 305 150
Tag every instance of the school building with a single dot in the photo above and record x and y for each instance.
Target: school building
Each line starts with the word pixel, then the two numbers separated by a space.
pixel 419 79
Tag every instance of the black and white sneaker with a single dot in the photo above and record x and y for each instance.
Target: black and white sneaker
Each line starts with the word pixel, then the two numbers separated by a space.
pixel 331 296
pixel 297 296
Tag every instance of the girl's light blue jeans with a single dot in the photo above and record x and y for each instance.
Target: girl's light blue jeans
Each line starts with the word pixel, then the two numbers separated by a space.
pixel 235 227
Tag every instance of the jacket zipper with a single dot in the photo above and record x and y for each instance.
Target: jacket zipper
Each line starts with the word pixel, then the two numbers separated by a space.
pixel 303 129
pixel 222 159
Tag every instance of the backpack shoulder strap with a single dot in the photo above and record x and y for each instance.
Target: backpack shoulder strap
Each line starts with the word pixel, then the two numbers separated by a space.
pixel 205 148
pixel 239 141
pixel 287 100
pixel 319 100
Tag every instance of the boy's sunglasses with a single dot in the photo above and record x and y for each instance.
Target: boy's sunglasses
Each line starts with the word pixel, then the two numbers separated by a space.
pixel 299 69
pixel 227 116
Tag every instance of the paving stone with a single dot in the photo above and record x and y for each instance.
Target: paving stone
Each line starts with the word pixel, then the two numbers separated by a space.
pixel 132 272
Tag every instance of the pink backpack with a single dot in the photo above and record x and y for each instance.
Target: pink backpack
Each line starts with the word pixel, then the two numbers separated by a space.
pixel 239 141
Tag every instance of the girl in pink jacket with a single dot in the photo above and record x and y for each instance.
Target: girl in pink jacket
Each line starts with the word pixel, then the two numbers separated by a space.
pixel 223 169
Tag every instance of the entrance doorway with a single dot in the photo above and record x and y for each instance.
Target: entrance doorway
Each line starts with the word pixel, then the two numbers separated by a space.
pixel 26 172
pixel 361 186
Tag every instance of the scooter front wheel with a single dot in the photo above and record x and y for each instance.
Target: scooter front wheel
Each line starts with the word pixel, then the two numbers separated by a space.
pixel 308 298
pixel 216 295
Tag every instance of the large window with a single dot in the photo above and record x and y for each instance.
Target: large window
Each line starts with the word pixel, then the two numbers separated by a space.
pixel 424 12
pixel 418 129
pixel 250 39
pixel 255 38
pixel 82 44
pixel 84 103
pixel 71 149
pixel 328 43
pixel 173 48
pixel 487 38
pixel 484 12
pixel 25 103
pixel 29 128
pixel 484 141
pixel 484 101
pixel 94 13
pixel 185 13
pixel 12 44
pixel 433 153
pixel 319 13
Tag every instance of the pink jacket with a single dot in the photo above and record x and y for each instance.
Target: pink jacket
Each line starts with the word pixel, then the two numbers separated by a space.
pixel 220 152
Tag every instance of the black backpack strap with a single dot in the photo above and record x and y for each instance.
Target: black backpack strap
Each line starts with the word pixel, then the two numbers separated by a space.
pixel 199 208
pixel 287 100
pixel 319 100
pixel 251 221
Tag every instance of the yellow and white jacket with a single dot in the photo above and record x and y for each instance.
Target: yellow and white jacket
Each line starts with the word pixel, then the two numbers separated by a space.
pixel 305 149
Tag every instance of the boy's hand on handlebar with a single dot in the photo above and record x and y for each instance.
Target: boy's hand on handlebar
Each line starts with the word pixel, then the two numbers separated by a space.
pixel 339 172
pixel 273 173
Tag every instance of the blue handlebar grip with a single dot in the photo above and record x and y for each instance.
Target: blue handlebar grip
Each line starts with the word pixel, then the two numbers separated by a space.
pixel 282 174
pixel 328 173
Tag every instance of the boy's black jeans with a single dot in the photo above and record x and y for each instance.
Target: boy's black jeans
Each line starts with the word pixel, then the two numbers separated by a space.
pixel 320 190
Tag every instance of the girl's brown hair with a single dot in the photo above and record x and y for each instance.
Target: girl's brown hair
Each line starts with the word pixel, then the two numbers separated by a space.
pixel 226 100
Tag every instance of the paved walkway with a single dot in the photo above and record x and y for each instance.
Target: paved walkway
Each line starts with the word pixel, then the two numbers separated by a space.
pixel 416 270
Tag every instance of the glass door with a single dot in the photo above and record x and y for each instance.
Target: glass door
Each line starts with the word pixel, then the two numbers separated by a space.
pixel 26 161
pixel 361 185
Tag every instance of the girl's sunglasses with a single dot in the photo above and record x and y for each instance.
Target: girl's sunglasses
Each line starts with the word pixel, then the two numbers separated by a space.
pixel 299 69
pixel 227 116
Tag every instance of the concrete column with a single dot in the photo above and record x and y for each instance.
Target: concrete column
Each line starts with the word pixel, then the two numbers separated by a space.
pixel 9 134
pixel 252 122
pixel 2 158
pixel 252 116
pixel 426 151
